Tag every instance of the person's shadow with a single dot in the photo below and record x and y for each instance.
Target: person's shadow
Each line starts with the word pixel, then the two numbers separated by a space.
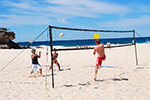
pixel 113 79
pixel 48 75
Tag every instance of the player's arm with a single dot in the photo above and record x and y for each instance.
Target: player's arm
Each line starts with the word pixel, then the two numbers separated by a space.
pixel 94 52
pixel 39 56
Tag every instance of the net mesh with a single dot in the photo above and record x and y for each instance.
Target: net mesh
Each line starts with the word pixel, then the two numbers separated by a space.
pixel 85 37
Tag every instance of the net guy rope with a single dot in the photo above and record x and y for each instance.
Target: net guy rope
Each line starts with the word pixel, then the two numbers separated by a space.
pixel 90 30
pixel 22 51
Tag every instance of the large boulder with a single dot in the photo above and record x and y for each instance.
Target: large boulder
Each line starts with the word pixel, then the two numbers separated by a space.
pixel 13 45
pixel 6 38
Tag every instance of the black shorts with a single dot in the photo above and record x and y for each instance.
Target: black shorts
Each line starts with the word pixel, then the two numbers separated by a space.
pixel 55 61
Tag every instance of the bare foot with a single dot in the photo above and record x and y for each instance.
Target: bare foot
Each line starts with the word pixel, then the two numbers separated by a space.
pixel 31 72
pixel 49 69
pixel 40 75
pixel 95 79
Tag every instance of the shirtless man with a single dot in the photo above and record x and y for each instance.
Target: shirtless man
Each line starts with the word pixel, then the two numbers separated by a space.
pixel 35 63
pixel 101 56
pixel 55 55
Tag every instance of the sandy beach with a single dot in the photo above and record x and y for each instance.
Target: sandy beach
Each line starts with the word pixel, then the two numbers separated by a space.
pixel 118 79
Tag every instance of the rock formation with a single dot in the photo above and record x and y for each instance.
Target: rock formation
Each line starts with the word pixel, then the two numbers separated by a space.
pixel 6 38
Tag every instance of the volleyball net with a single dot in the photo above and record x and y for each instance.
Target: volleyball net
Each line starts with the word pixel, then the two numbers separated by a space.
pixel 76 38
pixel 73 40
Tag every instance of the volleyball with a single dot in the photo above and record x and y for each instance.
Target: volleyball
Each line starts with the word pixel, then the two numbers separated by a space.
pixel 31 41
pixel 61 34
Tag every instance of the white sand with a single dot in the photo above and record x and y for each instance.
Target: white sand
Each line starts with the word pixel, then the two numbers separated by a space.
pixel 75 82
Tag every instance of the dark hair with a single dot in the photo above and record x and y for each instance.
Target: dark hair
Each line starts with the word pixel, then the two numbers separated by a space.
pixel 55 49
pixel 97 41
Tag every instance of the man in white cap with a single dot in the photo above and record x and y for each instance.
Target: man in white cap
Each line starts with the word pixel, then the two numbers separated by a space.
pixel 35 64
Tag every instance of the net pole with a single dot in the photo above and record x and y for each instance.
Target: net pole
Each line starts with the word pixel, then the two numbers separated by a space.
pixel 135 48
pixel 51 43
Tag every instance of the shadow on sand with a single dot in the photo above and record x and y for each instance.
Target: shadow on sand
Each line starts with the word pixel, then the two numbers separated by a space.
pixel 48 75
pixel 114 79
pixel 89 83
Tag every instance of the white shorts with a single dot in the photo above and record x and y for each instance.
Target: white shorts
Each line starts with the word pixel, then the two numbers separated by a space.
pixel 36 66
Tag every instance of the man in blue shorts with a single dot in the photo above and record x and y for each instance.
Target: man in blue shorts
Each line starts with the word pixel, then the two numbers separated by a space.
pixel 35 64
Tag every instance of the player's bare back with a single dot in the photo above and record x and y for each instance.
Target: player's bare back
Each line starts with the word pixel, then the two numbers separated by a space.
pixel 100 49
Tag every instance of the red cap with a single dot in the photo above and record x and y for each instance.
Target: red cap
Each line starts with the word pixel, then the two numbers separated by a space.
pixel 97 41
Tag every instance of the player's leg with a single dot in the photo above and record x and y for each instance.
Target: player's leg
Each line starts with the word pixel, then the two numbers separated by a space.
pixel 50 67
pixel 39 68
pixel 96 71
pixel 33 68
pixel 58 65
pixel 40 71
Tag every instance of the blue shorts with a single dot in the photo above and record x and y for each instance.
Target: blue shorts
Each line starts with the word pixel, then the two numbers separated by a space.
pixel 36 66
